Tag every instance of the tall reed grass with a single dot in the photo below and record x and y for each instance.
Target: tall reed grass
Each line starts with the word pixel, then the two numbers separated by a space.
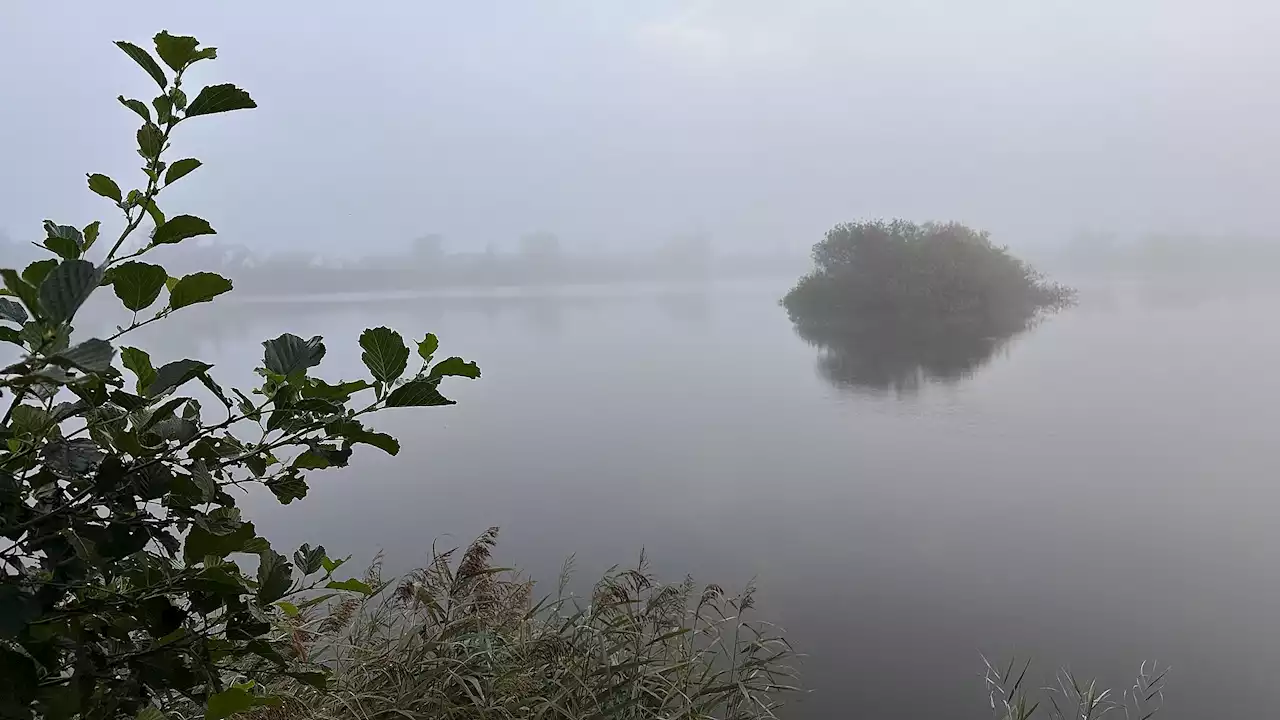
pixel 1069 697
pixel 461 638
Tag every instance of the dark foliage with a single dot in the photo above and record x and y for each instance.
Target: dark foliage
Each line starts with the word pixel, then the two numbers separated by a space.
pixel 893 302
pixel 123 559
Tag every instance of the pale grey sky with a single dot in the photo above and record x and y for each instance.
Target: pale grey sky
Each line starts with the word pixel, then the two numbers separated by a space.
pixel 625 121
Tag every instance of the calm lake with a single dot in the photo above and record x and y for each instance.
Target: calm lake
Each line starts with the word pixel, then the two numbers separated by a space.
pixel 1100 491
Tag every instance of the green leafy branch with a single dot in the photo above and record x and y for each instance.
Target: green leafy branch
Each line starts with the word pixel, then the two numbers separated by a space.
pixel 120 591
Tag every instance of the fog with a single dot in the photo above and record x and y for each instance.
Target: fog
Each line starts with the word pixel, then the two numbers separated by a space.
pixel 617 123
pixel 602 203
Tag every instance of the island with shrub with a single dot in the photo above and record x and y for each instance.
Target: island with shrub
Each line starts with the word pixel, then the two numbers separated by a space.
pixel 895 302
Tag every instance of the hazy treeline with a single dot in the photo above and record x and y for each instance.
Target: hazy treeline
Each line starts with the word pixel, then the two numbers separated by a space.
pixel 428 262
pixel 1165 253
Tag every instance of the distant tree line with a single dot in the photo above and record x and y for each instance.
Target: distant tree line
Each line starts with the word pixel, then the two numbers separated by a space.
pixel 1180 254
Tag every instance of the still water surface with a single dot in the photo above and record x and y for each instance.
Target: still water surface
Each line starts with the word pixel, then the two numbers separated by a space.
pixel 1100 491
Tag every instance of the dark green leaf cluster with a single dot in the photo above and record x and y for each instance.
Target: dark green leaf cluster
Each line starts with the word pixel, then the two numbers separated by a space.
pixel 124 580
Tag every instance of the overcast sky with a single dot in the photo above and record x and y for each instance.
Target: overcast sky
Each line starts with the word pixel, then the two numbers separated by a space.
pixel 626 121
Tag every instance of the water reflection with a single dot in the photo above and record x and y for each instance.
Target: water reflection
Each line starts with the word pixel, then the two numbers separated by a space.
pixel 251 318
pixel 1110 500
pixel 887 358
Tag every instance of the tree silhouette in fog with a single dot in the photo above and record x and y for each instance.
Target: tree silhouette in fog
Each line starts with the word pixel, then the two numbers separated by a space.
pixel 894 304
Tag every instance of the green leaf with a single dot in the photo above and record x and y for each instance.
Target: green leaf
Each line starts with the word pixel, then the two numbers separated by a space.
pixel 215 388
pixel 289 353
pixel 157 217
pixel 192 410
pixel 180 228
pixel 177 51
pixel 201 542
pixel 352 585
pixel 197 288
pixel 29 420
pixel 140 363
pixel 9 335
pixel 342 391
pixel 180 168
pixel 161 413
pixel 311 461
pixel 150 141
pixel 49 339
pixel 179 97
pixel 274 576
pixel 288 488
pixel 427 347
pixel 69 232
pixel 309 560
pixel 220 98
pixel 174 374
pixel 90 235
pixel 150 713
pixel 257 464
pixel 354 433
pixel 65 240
pixel 127 401
pixel 382 441
pixel 138 284
pixel 65 410
pixel 152 482
pixel 92 356
pixel 315 678
pixel 66 288
pixel 204 480
pixel 37 271
pixel 331 565
pixel 12 311
pixel 234 700
pixel 221 521
pixel 320 456
pixel 454 366
pixel 136 106
pixel 289 608
pixel 72 458
pixel 63 247
pixel 164 108
pixel 417 393
pixel 25 291
pixel 385 353
pixel 176 428
pixel 143 58
pixel 105 186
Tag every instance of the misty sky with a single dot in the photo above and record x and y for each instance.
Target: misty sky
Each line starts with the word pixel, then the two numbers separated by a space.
pixel 627 121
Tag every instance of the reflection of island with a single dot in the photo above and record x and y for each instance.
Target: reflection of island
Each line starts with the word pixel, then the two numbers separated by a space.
pixel 896 359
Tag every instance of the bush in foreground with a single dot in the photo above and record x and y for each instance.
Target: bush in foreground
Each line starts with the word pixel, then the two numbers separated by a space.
pixel 122 586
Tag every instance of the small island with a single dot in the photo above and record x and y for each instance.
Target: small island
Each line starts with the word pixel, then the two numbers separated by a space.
pixel 893 303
